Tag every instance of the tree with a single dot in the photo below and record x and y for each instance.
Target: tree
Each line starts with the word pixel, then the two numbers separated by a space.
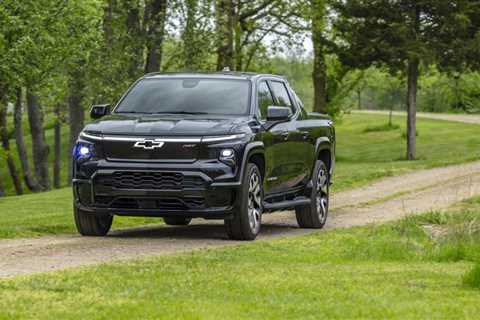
pixel 319 75
pixel 225 11
pixel 29 178
pixel 5 139
pixel 155 17
pixel 242 27
pixel 198 38
pixel 402 35
pixel 40 148
pixel 57 146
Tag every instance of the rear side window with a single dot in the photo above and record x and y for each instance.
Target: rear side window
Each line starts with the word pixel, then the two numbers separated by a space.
pixel 281 93
pixel 264 98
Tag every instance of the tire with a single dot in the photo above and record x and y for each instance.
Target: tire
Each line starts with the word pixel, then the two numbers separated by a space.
pixel 314 216
pixel 177 221
pixel 89 224
pixel 247 220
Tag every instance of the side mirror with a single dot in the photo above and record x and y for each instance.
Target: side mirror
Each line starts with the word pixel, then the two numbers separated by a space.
pixel 278 113
pixel 99 111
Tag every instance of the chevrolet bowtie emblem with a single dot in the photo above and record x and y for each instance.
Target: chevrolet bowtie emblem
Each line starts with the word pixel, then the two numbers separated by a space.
pixel 148 144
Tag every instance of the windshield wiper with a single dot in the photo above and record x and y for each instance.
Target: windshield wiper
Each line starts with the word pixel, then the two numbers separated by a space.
pixel 181 112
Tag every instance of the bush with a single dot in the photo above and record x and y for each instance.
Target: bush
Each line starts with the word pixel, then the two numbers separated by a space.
pixel 381 128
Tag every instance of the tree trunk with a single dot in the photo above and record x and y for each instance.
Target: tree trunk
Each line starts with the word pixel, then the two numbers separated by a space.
pixel 108 24
pixel 57 162
pixel 413 70
pixel 413 65
pixel 17 183
pixel 29 179
pixel 76 87
pixel 2 189
pixel 319 64
pixel 134 43
pixel 155 26
pixel 238 55
pixel 40 147
pixel 190 50
pixel 225 26
pixel 359 98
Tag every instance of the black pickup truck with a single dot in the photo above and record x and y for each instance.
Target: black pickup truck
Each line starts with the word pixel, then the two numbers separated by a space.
pixel 228 146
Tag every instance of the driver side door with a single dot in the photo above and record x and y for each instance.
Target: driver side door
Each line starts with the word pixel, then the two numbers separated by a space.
pixel 278 141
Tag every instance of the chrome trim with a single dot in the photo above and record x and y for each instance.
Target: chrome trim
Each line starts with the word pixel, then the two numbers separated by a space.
pixel 89 136
pixel 138 139
pixel 178 140
pixel 181 140
pixel 223 138
pixel 124 139
pixel 155 144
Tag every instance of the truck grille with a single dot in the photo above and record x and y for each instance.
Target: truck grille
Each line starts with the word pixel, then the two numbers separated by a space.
pixel 150 181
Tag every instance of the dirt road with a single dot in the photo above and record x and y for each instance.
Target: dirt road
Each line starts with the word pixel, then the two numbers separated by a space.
pixel 385 200
pixel 466 118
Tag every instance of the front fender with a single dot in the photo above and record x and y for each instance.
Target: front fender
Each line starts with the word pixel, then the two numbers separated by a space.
pixel 255 147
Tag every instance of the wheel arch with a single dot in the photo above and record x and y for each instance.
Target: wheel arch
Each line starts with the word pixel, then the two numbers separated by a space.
pixel 255 153
pixel 324 151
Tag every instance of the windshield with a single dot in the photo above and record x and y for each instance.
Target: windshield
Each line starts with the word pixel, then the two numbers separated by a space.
pixel 187 96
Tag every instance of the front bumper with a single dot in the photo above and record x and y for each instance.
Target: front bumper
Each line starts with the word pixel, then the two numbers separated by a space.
pixel 201 189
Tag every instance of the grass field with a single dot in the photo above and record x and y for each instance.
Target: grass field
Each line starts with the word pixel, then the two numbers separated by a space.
pixel 366 150
pixel 47 213
pixel 420 267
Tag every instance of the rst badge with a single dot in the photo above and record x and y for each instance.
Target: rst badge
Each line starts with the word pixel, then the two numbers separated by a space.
pixel 148 144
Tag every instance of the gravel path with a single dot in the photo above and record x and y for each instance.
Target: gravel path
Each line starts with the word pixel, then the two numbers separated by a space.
pixel 385 200
pixel 467 118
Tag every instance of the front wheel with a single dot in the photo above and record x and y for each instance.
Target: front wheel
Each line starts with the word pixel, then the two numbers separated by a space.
pixel 246 222
pixel 314 216
pixel 89 224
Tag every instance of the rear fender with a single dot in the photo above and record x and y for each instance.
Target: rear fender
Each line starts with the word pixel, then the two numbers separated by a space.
pixel 322 144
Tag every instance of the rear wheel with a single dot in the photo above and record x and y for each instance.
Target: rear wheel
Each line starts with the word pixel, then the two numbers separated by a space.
pixel 315 215
pixel 177 221
pixel 89 224
pixel 246 222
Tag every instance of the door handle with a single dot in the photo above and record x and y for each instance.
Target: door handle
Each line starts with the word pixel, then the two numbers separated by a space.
pixel 305 135
pixel 285 135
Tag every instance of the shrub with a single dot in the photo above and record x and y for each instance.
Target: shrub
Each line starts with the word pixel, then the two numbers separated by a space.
pixel 381 128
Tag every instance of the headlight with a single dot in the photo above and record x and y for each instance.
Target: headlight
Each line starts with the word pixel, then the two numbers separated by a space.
pixel 83 151
pixel 227 156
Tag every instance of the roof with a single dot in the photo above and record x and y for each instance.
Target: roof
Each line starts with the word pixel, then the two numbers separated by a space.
pixel 220 74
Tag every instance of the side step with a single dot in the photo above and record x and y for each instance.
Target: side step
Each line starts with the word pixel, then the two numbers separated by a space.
pixel 297 202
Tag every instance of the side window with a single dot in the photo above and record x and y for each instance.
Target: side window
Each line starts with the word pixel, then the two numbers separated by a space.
pixel 297 98
pixel 281 93
pixel 264 98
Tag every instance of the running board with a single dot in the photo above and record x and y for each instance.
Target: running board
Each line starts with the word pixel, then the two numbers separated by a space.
pixel 297 202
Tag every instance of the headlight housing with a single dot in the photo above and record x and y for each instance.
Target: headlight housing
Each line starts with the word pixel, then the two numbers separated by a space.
pixel 227 156
pixel 83 151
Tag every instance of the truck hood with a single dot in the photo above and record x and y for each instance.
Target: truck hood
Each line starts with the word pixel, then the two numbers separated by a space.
pixel 166 125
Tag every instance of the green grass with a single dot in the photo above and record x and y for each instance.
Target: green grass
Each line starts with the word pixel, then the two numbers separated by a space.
pixel 46 214
pixel 400 270
pixel 361 158
pixel 472 278
pixel 365 156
